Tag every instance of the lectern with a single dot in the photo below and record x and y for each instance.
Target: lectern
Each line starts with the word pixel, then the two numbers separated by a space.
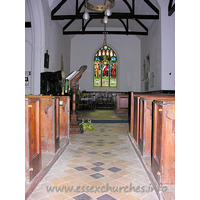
pixel 73 85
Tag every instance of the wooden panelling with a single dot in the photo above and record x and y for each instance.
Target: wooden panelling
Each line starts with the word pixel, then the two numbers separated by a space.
pixel 32 138
pixel 163 144
pixel 50 122
pixel 64 116
pixel 122 103
pixel 145 128
pixel 136 116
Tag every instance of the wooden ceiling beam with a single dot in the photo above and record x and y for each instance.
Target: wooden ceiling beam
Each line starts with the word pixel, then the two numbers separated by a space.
pixel 107 32
pixel 171 8
pixel 57 7
pixel 97 15
pixel 101 15
pixel 152 6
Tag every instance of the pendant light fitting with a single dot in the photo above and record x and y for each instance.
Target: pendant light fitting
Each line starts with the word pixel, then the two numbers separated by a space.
pixel 106 8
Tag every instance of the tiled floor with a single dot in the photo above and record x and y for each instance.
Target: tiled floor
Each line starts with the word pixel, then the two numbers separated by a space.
pixel 98 165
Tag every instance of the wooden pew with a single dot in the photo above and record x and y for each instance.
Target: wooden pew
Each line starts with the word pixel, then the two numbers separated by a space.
pixel 145 126
pixel 131 109
pixel 33 161
pixel 137 109
pixel 163 142
pixel 64 116
pixel 122 101
pixel 50 123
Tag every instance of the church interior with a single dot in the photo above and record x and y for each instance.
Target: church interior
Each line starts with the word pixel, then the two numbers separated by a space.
pixel 100 99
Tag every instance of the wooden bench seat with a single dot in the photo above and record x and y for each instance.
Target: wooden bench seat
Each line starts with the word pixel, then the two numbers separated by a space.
pixel 163 142
pixel 135 117
pixel 64 116
pixel 122 104
pixel 50 123
pixel 145 126
pixel 33 161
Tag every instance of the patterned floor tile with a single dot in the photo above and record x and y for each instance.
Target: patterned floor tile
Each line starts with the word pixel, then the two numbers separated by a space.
pixel 106 197
pixel 92 153
pixel 104 158
pixel 89 142
pixel 56 181
pixel 97 175
pixel 81 168
pixel 82 197
pixel 115 176
pixel 38 195
pixel 129 197
pixel 59 196
pixel 97 169
pixel 114 169
pixel 71 171
pixel 106 153
pixel 98 164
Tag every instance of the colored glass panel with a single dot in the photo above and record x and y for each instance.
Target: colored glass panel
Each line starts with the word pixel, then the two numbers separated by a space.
pixel 105 68
pixel 105 73
pixel 97 72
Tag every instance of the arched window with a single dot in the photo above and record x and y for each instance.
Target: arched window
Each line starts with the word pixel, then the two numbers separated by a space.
pixel 105 68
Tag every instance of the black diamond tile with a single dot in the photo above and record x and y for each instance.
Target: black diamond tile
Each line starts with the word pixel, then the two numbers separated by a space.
pixel 81 168
pixel 92 152
pixel 97 175
pixel 114 169
pixel 82 197
pixel 106 197
pixel 106 153
pixel 111 142
pixel 97 169
pixel 98 164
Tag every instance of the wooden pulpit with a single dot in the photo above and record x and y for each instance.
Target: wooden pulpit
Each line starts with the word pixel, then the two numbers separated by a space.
pixel 73 85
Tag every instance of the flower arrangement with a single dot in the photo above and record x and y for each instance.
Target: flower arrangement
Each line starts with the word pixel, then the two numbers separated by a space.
pixel 87 126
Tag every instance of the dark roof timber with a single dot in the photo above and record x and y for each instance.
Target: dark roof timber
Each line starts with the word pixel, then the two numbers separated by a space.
pixel 115 15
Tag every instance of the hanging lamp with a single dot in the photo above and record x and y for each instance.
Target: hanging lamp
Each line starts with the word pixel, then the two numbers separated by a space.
pixel 106 8
pixel 86 15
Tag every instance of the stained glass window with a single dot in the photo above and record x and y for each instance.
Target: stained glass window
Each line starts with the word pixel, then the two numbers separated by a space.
pixel 105 68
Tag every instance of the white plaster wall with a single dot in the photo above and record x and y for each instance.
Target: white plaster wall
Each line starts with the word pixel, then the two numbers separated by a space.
pixel 160 44
pixel 34 13
pixel 28 50
pixel 56 43
pixel 127 49
pixel 43 35
pixel 168 47
pixel 151 45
